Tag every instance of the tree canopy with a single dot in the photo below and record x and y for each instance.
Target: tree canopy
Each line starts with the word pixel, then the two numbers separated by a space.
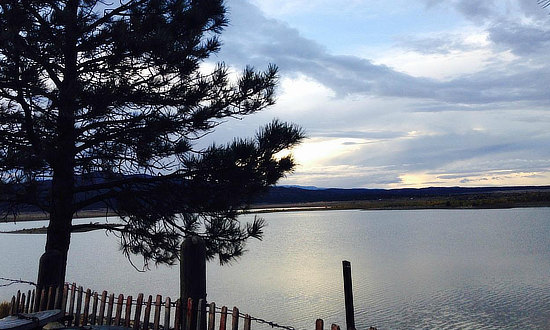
pixel 103 102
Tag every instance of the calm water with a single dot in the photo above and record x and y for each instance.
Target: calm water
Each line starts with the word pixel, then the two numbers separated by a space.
pixel 427 269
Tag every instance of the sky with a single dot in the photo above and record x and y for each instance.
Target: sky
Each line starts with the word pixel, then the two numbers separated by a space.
pixel 396 94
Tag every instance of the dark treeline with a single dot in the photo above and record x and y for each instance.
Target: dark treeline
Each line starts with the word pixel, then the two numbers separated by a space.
pixel 289 195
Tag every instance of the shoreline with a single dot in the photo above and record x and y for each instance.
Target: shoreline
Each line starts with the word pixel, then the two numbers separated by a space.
pixel 468 201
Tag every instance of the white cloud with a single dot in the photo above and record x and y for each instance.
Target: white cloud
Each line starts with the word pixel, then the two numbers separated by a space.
pixel 319 151
pixel 301 93
pixel 437 66
pixel 445 55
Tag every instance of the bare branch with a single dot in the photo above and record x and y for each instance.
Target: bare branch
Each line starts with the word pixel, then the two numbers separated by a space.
pixel 14 281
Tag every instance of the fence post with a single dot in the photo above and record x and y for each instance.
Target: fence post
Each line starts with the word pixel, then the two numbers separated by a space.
pixel 193 274
pixel 319 324
pixel 235 319
pixel 348 295
pixel 201 315
pixel 13 306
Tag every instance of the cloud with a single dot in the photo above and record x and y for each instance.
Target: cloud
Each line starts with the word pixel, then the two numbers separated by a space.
pixel 520 25
pixel 522 39
pixel 443 44
pixel 273 41
pixel 255 39
pixel 475 9
pixel 367 134
pixel 349 176
pixel 449 155
pixel 389 121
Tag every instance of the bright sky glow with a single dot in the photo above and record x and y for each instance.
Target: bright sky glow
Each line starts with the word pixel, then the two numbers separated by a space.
pixel 402 93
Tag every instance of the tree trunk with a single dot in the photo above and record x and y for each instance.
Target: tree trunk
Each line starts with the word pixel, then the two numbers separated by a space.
pixel 61 215
pixel 53 265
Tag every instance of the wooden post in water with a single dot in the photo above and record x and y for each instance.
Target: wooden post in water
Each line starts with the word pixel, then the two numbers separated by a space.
pixel 193 274
pixel 348 295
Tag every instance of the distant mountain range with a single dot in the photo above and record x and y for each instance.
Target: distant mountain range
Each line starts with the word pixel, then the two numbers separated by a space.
pixel 308 194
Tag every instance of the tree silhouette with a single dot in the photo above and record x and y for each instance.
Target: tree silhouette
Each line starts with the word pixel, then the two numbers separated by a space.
pixel 102 104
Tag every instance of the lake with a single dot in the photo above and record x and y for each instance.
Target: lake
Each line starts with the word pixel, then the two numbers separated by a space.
pixel 421 269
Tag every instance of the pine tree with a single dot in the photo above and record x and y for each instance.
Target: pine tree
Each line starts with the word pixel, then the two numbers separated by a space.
pixel 102 104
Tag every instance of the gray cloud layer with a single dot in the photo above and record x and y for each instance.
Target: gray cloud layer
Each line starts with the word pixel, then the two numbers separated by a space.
pixel 254 39
pixel 509 99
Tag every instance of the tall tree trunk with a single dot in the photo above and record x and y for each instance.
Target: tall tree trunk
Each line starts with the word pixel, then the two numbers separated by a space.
pixel 53 263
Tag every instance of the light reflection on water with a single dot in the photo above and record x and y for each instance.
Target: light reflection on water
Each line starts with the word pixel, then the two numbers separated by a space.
pixel 426 269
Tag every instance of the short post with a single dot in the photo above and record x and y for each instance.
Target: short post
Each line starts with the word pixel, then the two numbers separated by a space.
pixel 193 275
pixel 348 295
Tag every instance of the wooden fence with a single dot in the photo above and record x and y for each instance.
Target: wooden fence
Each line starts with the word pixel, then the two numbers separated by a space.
pixel 85 307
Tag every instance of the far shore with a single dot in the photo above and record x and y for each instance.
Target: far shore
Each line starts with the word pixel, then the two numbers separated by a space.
pixel 466 201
